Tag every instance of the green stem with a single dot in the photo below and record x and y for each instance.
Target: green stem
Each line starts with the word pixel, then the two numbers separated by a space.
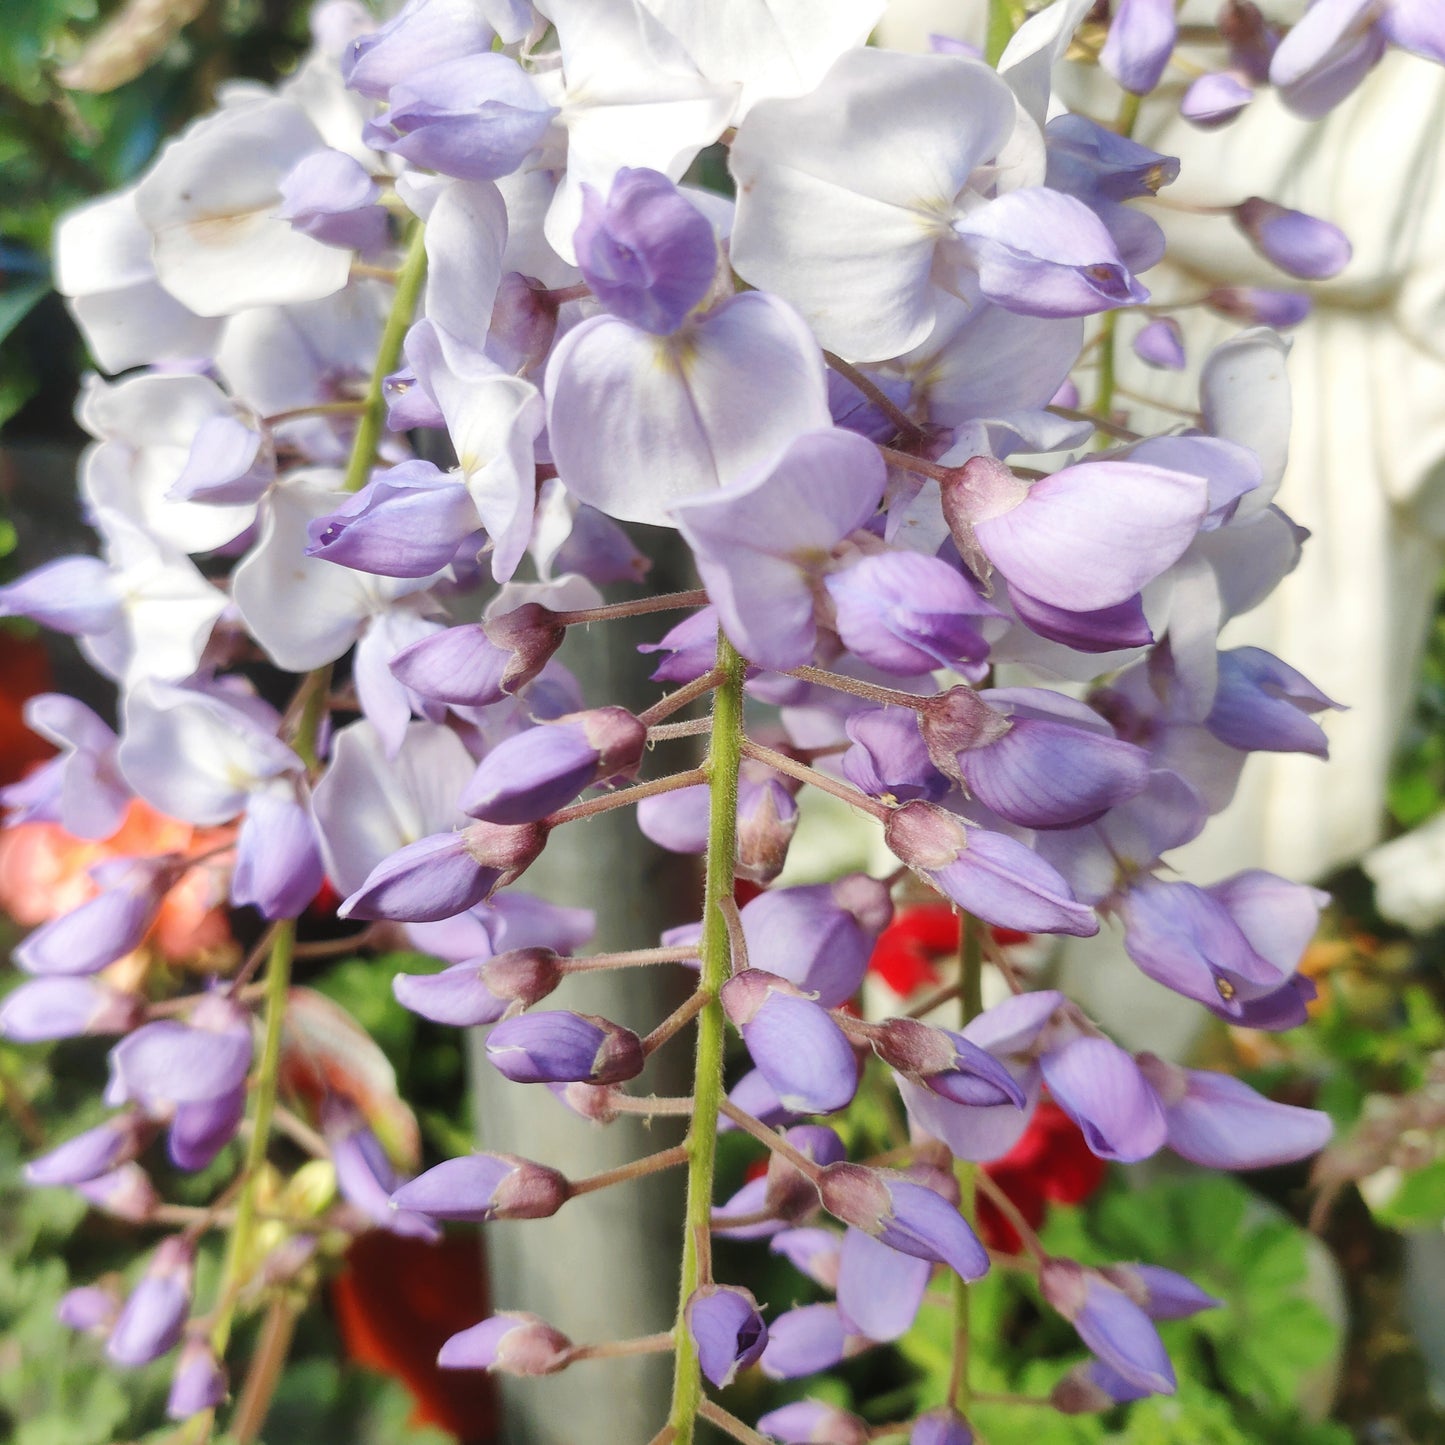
pixel 403 306
pixel 278 981
pixel 970 985
pixel 1002 22
pixel 1108 325
pixel 724 756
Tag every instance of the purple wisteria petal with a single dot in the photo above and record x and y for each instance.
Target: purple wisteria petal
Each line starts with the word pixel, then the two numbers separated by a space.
pixel 818 936
pixel 1299 244
pixel 1416 26
pixel 972 1132
pixel 65 1008
pixel 151 1321
pixel 421 34
pixel 727 1329
pixel 535 772
pixel 475 117
pixel 691 648
pixel 365 1176
pixel 1215 99
pixel 1187 940
pixel 908 1217
pixel 1161 1293
pixel 1115 1328
pixel 90 1307
pixel 759 544
pixel 102 929
pixel 481 1187
pixel 461 666
pixel 940 1427
pixel 677 820
pixel 511 1343
pixel 795 1044
pixel 407 522
pixel 947 1063
pixel 278 858
pixel 879 1289
pixel 1325 55
pixel 710 404
pixel 96 1151
pixel 1221 1123
pixel 811 1422
pixel 1263 705
pixel 1139 44
pixel 1102 1090
pixel 804 1341
pixel 555 1046
pixel 1042 253
pixel 647 252
pixel 989 874
pixel 1278 918
pixel 1046 774
pixel 331 196
pixel 906 613
pixel 889 757
pixel 812 1251
pixel 1101 630
pixel 125 1193
pixel 1161 344
pixel 1259 306
pixel 199 1131
pixel 481 991
pixel 166 1063
pixel 1090 536
pixel 751 1199
pixel 74 595
pixel 199 1382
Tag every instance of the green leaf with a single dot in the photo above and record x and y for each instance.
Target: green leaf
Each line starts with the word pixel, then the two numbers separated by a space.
pixel 17 304
pixel 1419 1201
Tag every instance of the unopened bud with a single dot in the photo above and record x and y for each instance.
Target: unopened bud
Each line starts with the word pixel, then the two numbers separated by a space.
pixel 480 1187
pixel 510 1344
pixel 531 634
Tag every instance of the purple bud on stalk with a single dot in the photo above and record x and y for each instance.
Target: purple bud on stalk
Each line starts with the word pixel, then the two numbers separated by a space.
pixel 947 1063
pixel 1257 306
pixel 908 1217
pixel 811 1422
pixel 767 820
pixel 647 252
pixel 989 874
pixel 168 1063
pixel 533 773
pixel 557 1047
pixel 92 1308
pixel 1115 1328
pixel 530 634
pixel 1215 99
pixel 422 33
pixel 365 1176
pixel 1091 1388
pixel 1139 44
pixel 941 1427
pixel 65 1008
pixel 199 1382
pixel 1160 1293
pixel 793 1041
pixel 460 666
pixel 446 873
pixel 151 1321
pixel 1161 344
pixel 889 758
pixel 727 1329
pixel 94 1152
pixel 510 1344
pixel 1297 243
pixel 480 1187
pixel 481 991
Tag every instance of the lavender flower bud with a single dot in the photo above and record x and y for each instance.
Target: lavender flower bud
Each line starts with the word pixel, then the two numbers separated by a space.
pixel 65 1008
pixel 199 1382
pixel 811 1422
pixel 91 1308
pixel 460 666
pixel 97 1151
pixel 124 1193
pixel 789 1195
pixel 1299 244
pixel 727 1329
pixel 154 1315
pixel 1161 344
pixel 940 1427
pixel 481 992
pixel 510 1344
pixel 767 820
pixel 1109 1323
pixel 905 1216
pixel 557 1047
pixel 479 1187
pixel 947 1063
pixel 1160 1293
pixel 531 634
pixel 535 772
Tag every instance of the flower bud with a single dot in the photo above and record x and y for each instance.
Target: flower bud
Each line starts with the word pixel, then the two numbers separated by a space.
pixel 124 1193
pixel 1091 1388
pixel 531 634
pixel 481 991
pixel 940 1427
pixel 1161 344
pixel 1257 306
pixel 65 1008
pixel 460 666
pixel 947 1063
pixel 95 1152
pixel 905 1216
pixel 1297 243
pixel 535 772
pixel 806 1422
pixel 479 1187
pixel 1214 100
pixel 793 1041
pixel 1140 41
pixel 1160 1293
pixel 151 1321
pixel 511 1344
pixel 91 1308
pixel 767 820
pixel 955 722
pixel 555 1046
pixel 1109 1323
pixel 727 1329
pixel 199 1382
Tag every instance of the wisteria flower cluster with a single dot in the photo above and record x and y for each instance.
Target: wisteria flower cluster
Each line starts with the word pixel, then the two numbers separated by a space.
pixel 395 348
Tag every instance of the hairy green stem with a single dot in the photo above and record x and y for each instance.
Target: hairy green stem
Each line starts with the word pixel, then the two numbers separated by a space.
pixel 278 982
pixel 970 986
pixel 403 306
pixel 724 756
pixel 1003 20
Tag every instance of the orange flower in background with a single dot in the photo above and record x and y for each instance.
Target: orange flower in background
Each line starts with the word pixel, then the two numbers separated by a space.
pixel 44 872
